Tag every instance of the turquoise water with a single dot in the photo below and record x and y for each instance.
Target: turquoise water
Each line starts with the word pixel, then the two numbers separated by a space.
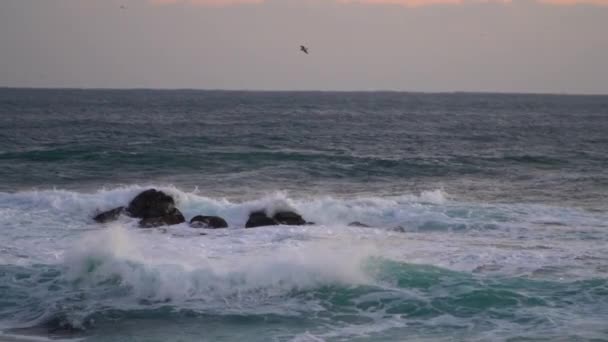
pixel 500 203
pixel 405 301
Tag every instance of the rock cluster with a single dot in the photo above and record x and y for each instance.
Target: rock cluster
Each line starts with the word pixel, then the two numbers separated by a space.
pixel 155 208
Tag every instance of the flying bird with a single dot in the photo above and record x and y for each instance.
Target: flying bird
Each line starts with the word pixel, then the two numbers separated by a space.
pixel 123 7
pixel 304 49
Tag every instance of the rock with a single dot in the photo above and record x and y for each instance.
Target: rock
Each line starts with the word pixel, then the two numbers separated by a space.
pixel 260 219
pixel 151 204
pixel 154 208
pixel 398 229
pixel 175 217
pixel 358 224
pixel 110 215
pixel 289 218
pixel 209 222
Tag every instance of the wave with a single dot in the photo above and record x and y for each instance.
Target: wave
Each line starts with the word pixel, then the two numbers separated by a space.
pixel 427 211
pixel 321 210
pixel 116 270
pixel 105 281
pixel 343 286
pixel 434 228
pixel 59 269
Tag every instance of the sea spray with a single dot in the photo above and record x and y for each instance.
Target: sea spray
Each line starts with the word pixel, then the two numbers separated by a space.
pixel 174 273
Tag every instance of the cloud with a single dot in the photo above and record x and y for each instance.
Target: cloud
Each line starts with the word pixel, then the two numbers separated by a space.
pixel 213 3
pixel 575 2
pixel 406 3
pixel 418 3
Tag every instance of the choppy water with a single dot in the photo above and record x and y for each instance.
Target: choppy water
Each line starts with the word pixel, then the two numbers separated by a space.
pixel 502 202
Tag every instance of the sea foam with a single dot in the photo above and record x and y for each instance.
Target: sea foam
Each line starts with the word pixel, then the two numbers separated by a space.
pixel 158 268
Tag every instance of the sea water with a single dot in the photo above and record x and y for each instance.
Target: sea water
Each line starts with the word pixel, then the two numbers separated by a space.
pixel 487 215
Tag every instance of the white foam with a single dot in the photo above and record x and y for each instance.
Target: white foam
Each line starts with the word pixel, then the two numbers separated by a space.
pixel 60 210
pixel 306 337
pixel 40 226
pixel 23 338
pixel 437 196
pixel 159 267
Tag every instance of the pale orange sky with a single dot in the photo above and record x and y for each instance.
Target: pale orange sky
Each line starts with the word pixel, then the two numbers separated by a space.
pixel 407 3
pixel 548 46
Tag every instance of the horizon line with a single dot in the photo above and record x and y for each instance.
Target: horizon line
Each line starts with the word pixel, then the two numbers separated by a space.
pixel 455 92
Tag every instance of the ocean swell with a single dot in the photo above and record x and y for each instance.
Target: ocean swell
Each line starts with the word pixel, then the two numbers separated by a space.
pixel 456 266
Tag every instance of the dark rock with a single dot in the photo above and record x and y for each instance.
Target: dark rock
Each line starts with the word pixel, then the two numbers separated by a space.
pixel 358 224
pixel 209 222
pixel 260 219
pixel 110 215
pixel 175 217
pixel 289 218
pixel 151 204
pixel 154 208
pixel 398 229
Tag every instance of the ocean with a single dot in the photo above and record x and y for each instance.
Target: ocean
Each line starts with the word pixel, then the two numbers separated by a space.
pixel 487 216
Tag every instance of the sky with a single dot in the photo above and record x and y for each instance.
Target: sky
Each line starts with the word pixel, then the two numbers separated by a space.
pixel 523 46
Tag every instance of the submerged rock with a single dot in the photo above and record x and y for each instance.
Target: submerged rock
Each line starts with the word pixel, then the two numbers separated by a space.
pixel 175 217
pixel 150 204
pixel 260 219
pixel 398 229
pixel 58 325
pixel 110 215
pixel 209 222
pixel 358 224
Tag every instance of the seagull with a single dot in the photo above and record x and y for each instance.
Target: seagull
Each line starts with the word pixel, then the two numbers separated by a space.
pixel 304 49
